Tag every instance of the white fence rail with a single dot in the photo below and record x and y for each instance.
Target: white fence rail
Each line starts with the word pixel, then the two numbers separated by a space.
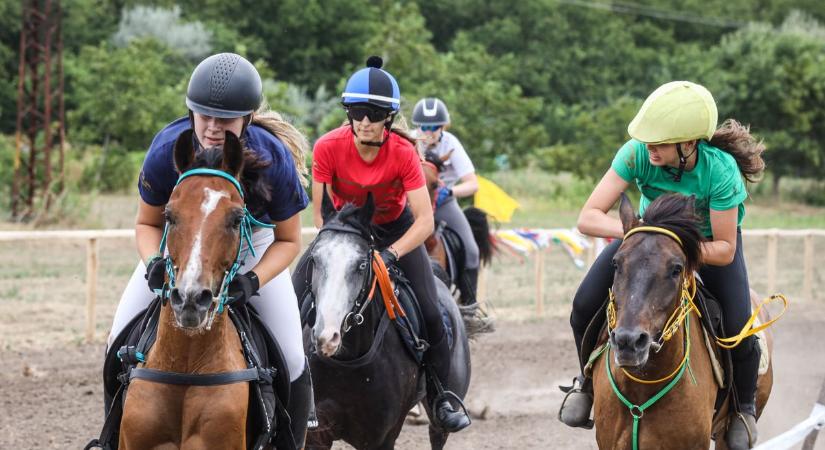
pixel 808 429
pixel 93 236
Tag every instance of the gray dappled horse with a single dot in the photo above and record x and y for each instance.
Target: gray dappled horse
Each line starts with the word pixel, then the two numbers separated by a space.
pixel 365 379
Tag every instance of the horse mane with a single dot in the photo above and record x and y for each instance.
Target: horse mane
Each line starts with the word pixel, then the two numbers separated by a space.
pixel 348 216
pixel 675 212
pixel 257 191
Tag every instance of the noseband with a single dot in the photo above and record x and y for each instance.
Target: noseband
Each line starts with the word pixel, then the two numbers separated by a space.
pixel 220 300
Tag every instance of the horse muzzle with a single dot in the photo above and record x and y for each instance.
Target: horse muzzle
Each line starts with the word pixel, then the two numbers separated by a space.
pixel 632 347
pixel 328 342
pixel 191 307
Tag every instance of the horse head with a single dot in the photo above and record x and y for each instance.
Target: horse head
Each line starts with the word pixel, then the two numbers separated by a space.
pixel 342 272
pixel 203 218
pixel 651 268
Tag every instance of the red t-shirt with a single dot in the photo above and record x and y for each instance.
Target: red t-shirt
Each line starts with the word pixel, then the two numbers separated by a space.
pixel 396 170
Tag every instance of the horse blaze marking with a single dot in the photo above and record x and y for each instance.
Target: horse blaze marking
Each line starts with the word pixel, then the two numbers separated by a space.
pixel 189 279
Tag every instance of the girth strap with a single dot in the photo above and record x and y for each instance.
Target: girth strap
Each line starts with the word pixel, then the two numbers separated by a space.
pixel 209 379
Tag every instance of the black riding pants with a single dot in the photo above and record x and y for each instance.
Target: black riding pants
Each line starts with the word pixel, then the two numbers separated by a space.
pixel 728 284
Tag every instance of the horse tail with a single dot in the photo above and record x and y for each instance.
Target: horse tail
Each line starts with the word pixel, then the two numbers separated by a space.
pixel 293 139
pixel 477 219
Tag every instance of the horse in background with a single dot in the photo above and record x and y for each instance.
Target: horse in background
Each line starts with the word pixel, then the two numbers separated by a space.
pixel 641 388
pixel 444 245
pixel 366 378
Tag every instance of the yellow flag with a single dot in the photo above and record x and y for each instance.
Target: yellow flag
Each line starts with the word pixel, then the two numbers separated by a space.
pixel 494 201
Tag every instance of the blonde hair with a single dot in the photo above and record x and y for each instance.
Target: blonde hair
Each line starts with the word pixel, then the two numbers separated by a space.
pixel 292 138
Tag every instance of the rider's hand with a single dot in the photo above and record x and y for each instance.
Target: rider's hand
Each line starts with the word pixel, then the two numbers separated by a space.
pixel 243 287
pixel 444 193
pixel 389 257
pixel 156 273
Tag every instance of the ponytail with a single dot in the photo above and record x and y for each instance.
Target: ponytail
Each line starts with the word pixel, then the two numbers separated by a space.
pixel 736 139
pixel 293 139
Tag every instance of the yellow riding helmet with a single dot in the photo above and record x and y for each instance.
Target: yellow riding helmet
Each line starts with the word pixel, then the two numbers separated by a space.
pixel 678 111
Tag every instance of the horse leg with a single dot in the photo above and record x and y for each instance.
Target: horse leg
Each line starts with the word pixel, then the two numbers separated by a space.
pixel 437 438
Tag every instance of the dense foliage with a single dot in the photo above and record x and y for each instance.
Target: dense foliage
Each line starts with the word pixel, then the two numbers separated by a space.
pixel 547 83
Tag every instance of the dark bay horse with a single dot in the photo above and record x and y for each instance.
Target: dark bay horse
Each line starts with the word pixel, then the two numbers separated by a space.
pixel 205 221
pixel 365 379
pixel 448 267
pixel 653 386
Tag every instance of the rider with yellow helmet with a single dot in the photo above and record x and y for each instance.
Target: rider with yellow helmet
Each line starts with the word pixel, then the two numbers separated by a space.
pixel 675 146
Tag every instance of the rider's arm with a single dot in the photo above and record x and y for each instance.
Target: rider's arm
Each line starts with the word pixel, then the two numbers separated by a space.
pixel 317 198
pixel 593 218
pixel 720 251
pixel 280 254
pixel 422 228
pixel 148 229
pixel 467 186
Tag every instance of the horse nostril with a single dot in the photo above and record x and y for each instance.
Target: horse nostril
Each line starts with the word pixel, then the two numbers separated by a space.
pixel 205 298
pixel 175 297
pixel 642 341
pixel 336 338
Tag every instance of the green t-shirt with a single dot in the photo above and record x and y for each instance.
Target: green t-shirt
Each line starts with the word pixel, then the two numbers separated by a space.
pixel 715 180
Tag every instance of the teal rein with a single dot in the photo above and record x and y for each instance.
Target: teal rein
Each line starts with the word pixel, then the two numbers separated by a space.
pixel 245 236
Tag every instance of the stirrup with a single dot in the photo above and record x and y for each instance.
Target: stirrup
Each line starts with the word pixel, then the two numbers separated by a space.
pixel 741 418
pixel 448 395
pixel 572 389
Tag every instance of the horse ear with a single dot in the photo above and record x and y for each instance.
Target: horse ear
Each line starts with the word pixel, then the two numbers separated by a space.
pixel 184 151
pixel 447 155
pixel 366 211
pixel 327 208
pixel 627 214
pixel 232 154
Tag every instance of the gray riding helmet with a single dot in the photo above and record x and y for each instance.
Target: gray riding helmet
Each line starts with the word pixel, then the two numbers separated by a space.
pixel 224 85
pixel 430 111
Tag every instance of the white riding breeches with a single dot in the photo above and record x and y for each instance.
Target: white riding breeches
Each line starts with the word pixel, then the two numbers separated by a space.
pixel 276 303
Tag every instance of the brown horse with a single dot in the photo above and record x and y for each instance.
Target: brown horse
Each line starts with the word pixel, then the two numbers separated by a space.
pixel 204 215
pixel 669 392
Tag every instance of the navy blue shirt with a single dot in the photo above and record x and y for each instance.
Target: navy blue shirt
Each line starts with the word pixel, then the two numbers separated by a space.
pixel 159 175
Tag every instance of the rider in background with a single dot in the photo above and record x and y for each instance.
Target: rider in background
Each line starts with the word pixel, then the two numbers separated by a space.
pixel 223 95
pixel 676 147
pixel 367 156
pixel 457 173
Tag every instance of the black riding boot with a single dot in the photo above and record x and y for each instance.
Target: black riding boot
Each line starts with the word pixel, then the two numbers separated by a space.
pixel 469 287
pixel 742 433
pixel 301 407
pixel 445 414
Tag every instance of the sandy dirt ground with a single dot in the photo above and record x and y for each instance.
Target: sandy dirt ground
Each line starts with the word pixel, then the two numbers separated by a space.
pixel 51 397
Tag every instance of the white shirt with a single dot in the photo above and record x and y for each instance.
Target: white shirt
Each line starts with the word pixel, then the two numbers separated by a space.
pixel 458 164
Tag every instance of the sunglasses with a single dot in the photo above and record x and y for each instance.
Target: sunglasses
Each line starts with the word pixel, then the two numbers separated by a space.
pixel 373 114
pixel 432 128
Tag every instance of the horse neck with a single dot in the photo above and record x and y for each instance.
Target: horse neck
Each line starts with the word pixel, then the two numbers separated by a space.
pixel 183 351
pixel 359 339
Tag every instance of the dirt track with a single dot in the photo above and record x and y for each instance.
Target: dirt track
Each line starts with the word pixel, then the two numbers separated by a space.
pixel 52 398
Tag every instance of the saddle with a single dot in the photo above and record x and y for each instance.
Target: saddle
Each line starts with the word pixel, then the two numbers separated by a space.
pixel 267 419
pixel 595 337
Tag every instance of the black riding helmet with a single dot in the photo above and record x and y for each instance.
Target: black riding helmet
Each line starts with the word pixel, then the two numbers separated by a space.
pixel 224 85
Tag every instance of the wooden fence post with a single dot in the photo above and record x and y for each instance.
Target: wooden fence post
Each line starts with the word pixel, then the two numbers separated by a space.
pixel 808 267
pixel 91 287
pixel 773 239
pixel 481 292
pixel 539 282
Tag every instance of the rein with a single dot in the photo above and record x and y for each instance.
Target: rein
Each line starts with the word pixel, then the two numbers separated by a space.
pixel 220 300
pixel 678 318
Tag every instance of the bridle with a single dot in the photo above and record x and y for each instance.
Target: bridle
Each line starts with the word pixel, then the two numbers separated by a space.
pixel 220 300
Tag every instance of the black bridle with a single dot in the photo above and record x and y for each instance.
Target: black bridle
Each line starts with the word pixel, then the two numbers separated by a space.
pixel 356 315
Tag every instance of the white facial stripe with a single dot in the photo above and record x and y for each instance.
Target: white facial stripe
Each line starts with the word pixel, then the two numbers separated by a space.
pixel 334 294
pixel 189 279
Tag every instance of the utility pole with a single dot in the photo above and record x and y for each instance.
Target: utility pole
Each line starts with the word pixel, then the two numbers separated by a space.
pixel 40 109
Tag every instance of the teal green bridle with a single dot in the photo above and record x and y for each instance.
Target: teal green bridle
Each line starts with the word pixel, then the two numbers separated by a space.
pixel 222 299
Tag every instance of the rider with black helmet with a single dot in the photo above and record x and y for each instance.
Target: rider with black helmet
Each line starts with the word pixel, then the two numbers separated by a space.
pixel 458 176
pixel 369 156
pixel 223 96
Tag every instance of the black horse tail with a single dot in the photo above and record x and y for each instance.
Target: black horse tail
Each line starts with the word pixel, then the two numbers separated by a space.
pixel 477 219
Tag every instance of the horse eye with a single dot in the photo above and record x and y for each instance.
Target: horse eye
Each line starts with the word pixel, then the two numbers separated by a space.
pixel 677 271
pixel 236 221
pixel 169 217
pixel 363 266
pixel 615 264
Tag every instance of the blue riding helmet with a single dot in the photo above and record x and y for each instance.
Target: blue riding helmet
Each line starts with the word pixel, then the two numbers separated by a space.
pixel 374 86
